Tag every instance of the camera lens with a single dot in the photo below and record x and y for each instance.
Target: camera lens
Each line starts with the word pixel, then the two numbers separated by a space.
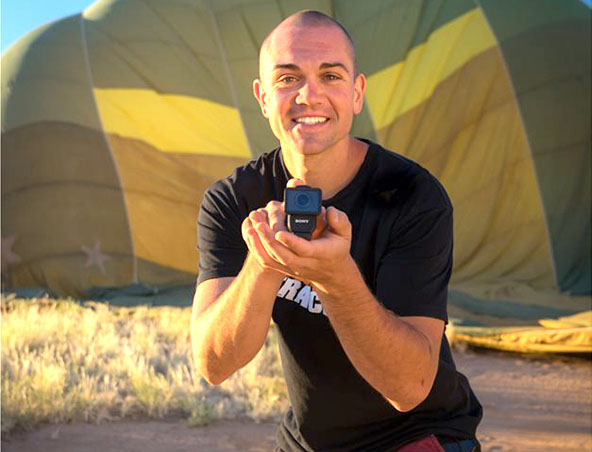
pixel 302 200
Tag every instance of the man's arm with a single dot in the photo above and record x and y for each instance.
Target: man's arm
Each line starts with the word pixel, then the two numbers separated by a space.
pixel 230 319
pixel 397 356
pixel 231 316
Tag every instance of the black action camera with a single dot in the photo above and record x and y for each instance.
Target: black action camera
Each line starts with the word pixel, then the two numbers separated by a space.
pixel 302 205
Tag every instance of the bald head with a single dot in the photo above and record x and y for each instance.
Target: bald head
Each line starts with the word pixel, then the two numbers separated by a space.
pixel 308 18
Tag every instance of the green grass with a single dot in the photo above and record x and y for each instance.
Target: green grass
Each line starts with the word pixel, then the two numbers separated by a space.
pixel 63 362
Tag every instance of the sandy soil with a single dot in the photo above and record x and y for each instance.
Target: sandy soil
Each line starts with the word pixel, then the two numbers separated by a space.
pixel 531 404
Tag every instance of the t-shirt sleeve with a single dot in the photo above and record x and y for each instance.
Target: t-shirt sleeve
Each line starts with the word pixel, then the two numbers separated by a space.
pixel 413 274
pixel 221 248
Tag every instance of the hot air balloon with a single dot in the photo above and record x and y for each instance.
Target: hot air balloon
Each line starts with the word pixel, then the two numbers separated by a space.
pixel 115 120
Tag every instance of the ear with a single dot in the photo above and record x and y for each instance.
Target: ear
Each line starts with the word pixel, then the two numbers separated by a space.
pixel 259 94
pixel 359 90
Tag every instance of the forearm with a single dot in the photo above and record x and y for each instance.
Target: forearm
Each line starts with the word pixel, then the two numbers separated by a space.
pixel 393 356
pixel 231 330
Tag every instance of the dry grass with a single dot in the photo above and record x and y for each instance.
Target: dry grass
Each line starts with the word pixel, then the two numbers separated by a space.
pixel 63 361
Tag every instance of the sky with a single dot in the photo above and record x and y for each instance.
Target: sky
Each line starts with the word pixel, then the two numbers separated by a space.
pixel 19 17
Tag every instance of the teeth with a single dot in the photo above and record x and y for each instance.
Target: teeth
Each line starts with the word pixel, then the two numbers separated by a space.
pixel 311 120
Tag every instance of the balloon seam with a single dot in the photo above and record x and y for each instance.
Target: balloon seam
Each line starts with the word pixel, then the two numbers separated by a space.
pixel 106 138
pixel 521 116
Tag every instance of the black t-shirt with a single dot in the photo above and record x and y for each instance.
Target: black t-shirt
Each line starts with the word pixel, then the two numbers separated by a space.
pixel 402 243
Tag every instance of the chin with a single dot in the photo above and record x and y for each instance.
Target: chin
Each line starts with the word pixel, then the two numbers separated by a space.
pixel 310 148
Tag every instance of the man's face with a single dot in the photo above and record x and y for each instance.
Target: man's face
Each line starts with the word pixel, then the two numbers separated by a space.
pixel 308 90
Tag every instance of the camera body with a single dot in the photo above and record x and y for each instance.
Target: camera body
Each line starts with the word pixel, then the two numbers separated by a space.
pixel 302 205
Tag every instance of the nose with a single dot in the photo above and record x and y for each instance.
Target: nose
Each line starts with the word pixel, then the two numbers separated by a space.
pixel 310 93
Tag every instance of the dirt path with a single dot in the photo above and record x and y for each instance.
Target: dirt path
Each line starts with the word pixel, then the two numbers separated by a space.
pixel 531 404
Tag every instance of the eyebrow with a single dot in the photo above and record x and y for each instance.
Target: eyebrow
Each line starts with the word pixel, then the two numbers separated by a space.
pixel 289 66
pixel 294 67
pixel 332 65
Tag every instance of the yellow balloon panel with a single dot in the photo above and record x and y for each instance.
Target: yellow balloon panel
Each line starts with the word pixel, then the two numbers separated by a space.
pixel 397 89
pixel 469 133
pixel 162 192
pixel 163 231
pixel 173 123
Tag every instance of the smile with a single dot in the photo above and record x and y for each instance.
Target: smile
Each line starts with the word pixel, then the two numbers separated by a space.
pixel 311 120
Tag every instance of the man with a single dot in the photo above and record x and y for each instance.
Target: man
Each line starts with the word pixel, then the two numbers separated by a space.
pixel 360 309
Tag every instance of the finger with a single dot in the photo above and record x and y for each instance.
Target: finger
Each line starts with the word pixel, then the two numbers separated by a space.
pixel 276 249
pixel 246 226
pixel 338 222
pixel 299 246
pixel 254 244
pixel 258 216
pixel 262 255
pixel 294 182
pixel 321 224
pixel 272 247
pixel 250 236
pixel 275 215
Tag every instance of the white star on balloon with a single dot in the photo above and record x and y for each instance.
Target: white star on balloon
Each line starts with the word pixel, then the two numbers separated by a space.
pixel 9 257
pixel 94 256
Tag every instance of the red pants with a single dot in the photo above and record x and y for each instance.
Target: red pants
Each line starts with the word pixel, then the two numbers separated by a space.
pixel 431 444
pixel 428 444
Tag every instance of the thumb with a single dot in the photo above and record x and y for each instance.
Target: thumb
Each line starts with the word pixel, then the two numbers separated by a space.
pixel 339 223
pixel 294 182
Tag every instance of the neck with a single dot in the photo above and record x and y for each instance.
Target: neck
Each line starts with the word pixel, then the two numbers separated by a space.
pixel 330 170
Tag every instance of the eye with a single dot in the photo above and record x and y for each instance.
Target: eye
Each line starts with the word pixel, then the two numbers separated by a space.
pixel 331 77
pixel 286 79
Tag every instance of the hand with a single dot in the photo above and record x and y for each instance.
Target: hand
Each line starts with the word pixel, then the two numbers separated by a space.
pixel 317 260
pixel 271 219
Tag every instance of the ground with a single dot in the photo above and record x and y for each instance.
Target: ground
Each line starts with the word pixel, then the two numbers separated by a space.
pixel 531 404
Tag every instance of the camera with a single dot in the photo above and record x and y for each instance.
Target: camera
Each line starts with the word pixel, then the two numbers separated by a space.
pixel 302 205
